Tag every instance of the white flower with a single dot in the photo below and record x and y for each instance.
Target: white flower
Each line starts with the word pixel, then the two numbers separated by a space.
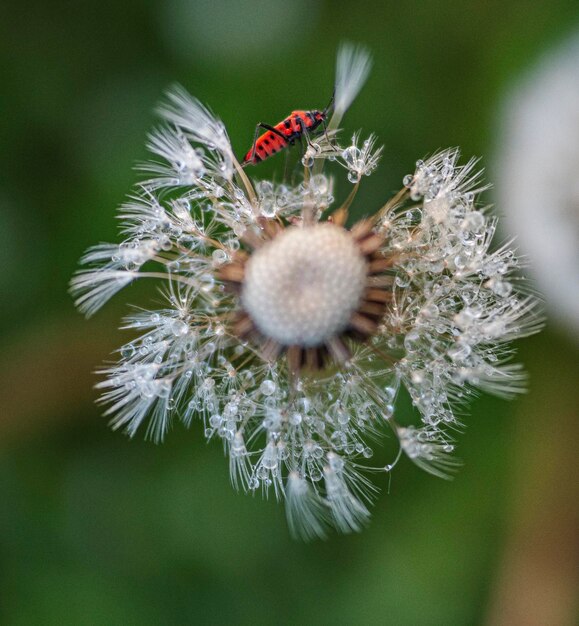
pixel 289 333
pixel 538 176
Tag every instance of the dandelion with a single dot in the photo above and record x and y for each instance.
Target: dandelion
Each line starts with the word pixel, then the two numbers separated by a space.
pixel 288 331
pixel 537 175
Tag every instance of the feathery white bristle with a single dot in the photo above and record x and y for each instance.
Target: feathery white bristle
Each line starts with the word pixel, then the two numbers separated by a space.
pixel 190 115
pixel 92 289
pixel 352 69
pixel 200 126
pixel 305 511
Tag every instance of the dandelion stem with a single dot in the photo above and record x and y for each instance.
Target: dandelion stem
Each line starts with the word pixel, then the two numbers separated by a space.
pixel 350 198
pixel 392 203
pixel 170 277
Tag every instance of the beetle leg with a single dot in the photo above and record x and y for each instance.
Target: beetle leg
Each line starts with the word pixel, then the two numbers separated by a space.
pixel 305 133
pixel 253 147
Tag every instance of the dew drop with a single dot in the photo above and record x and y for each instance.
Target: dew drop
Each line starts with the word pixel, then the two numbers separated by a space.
pixel 267 387
pixel 267 206
pixel 295 419
pixel 315 474
pixel 219 257
pixel 127 351
pixel 207 282
pixel 215 421
pixel 353 177
pixel 411 341
pixel 179 328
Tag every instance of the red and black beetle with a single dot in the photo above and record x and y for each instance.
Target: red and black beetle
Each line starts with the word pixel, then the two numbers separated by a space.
pixel 284 134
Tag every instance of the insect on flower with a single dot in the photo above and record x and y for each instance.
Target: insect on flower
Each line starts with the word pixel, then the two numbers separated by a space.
pixel 286 133
pixel 286 330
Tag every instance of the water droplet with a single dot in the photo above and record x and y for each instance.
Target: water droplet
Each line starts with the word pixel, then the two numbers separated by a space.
pixel 336 462
pixel 262 472
pixel 207 282
pixel 264 188
pixel 219 257
pixel 165 243
pixel 320 184
pixel 127 351
pixel 295 419
pixel 215 421
pixel 179 328
pixel 351 156
pixel 267 387
pixel 239 229
pixel 459 351
pixel 412 341
pixel 315 474
pixel 267 206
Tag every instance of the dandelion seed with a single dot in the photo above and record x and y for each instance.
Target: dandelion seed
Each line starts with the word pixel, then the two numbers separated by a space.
pixel 352 70
pixel 360 162
pixel 288 332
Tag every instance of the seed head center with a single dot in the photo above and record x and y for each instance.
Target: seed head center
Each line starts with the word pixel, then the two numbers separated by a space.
pixel 302 287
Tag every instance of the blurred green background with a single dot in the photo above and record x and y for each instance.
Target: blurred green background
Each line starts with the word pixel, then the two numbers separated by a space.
pixel 98 529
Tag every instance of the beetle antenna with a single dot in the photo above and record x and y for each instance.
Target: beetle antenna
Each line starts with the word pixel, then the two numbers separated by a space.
pixel 330 103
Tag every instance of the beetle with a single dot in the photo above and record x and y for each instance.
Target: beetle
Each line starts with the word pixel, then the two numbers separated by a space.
pixel 284 134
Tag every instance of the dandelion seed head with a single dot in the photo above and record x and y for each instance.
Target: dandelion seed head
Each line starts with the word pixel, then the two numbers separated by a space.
pixel 287 331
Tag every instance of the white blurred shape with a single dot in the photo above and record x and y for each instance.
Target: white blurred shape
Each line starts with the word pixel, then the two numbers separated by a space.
pixel 538 177
pixel 352 70
pixel 233 32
